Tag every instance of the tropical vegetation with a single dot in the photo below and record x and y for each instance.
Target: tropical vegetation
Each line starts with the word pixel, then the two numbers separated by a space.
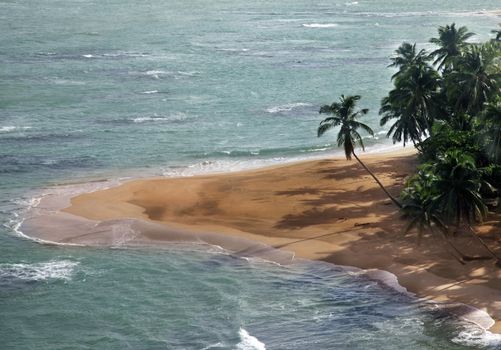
pixel 447 102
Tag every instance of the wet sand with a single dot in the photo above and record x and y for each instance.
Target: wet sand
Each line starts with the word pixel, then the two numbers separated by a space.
pixel 329 210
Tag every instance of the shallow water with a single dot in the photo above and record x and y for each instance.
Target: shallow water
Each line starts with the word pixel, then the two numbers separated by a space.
pixel 93 90
pixel 188 298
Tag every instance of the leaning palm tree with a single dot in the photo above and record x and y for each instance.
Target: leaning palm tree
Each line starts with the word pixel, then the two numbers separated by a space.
pixel 451 42
pixel 344 115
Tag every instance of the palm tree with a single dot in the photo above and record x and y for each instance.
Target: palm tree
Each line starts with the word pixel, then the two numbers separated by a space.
pixel 458 182
pixel 451 42
pixel 413 103
pixel 406 127
pixel 420 206
pixel 498 34
pixel 475 81
pixel 492 119
pixel 406 57
pixel 344 115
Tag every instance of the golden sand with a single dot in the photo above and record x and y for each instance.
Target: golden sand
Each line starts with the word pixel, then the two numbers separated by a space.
pixel 329 209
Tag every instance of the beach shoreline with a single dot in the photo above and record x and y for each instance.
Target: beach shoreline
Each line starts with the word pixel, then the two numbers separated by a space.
pixel 329 210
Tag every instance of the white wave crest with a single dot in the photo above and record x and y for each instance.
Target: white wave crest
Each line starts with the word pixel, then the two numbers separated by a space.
pixel 189 74
pixel 478 338
pixel 155 118
pixel 320 25
pixel 156 73
pixel 148 119
pixel 351 3
pixel 60 269
pixel 5 129
pixel 248 342
pixel 150 92
pixel 215 345
pixel 287 107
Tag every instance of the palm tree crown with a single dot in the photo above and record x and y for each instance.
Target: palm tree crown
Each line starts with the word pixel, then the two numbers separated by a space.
pixel 459 182
pixel 492 121
pixel 344 115
pixel 451 42
pixel 406 57
pixel 413 102
pixel 475 82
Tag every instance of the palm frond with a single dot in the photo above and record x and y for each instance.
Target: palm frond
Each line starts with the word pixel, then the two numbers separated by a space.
pixel 323 128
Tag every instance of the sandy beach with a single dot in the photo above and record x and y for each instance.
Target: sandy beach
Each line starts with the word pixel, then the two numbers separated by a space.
pixel 329 210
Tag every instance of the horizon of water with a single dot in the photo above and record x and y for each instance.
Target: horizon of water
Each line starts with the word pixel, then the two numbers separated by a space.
pixel 115 90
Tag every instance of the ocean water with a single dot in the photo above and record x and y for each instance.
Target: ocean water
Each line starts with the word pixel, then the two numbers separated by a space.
pixel 117 89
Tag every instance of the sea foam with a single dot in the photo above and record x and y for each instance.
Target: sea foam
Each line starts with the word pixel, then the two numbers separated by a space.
pixel 176 117
pixel 478 338
pixel 58 269
pixel 287 107
pixel 249 342
pixel 5 129
pixel 320 25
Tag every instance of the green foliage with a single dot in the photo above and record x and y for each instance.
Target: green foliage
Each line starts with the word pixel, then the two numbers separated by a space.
pixel 491 122
pixel 445 191
pixel 447 138
pixel 459 182
pixel 492 175
pixel 413 103
pixel 473 82
pixel 420 203
pixel 453 116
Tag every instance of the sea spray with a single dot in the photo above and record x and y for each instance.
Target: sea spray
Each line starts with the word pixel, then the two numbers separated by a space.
pixel 57 269
pixel 249 342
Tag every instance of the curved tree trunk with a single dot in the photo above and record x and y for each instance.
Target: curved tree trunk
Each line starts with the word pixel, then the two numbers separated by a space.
pixel 451 245
pixel 397 203
pixel 474 234
pixel 416 145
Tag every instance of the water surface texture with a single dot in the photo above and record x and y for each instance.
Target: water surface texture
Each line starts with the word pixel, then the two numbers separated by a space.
pixel 107 89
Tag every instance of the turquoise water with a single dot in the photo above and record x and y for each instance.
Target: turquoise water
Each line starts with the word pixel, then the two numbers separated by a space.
pixel 92 90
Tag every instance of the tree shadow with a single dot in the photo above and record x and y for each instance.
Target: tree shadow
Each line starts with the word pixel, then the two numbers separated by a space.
pixel 335 205
pixel 354 169
pixel 299 192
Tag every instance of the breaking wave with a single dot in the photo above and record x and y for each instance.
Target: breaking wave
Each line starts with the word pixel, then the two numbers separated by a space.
pixel 59 269
pixel 6 129
pixel 321 25
pixel 249 342
pixel 287 107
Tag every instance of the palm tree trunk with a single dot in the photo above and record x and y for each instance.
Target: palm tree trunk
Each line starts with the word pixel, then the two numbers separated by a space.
pixel 397 203
pixel 416 145
pixel 451 245
pixel 474 234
